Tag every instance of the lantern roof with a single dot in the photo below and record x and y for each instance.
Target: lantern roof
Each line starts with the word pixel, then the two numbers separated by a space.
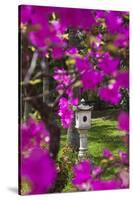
pixel 83 106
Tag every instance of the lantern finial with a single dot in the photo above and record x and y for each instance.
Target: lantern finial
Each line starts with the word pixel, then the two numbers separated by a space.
pixel 82 101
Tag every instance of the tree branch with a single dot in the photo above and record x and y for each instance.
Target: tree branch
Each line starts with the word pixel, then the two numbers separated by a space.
pixel 32 67
pixel 66 88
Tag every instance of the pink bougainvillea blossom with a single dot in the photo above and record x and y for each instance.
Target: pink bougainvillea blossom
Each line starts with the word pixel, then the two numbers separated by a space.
pixel 84 178
pixel 108 64
pixel 62 76
pixel 82 174
pixel 124 176
pixel 123 121
pixel 107 153
pixel 39 170
pixel 106 184
pixel 25 13
pixel 57 52
pixel 72 51
pixel 123 79
pixel 63 79
pixel 65 112
pixel 114 21
pixel 122 38
pixel 124 157
pixel 89 77
pixel 110 94
pixel 32 133
pixel 96 171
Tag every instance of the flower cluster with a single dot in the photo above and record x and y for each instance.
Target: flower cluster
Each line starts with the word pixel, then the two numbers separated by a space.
pixel 108 64
pixel 63 81
pixel 88 177
pixel 84 178
pixel 110 94
pixel 32 133
pixel 89 77
pixel 123 121
pixel 100 62
pixel 123 156
pixel 37 170
pixel 107 153
pixel 48 27
pixel 66 111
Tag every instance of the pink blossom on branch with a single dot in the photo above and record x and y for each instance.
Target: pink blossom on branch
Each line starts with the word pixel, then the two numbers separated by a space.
pixel 107 153
pixel 32 133
pixel 38 170
pixel 84 178
pixel 65 112
pixel 114 21
pixel 110 94
pixel 123 121
pixel 90 77
pixel 106 184
pixel 82 175
pixel 123 79
pixel 124 157
pixel 108 64
pixel 57 53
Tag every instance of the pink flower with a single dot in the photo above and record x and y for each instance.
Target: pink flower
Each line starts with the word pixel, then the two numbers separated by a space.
pixel 25 13
pixel 82 64
pixel 108 64
pixel 123 79
pixel 122 38
pixel 114 21
pixel 84 179
pixel 124 157
pixel 107 153
pixel 75 18
pixel 106 184
pixel 39 170
pixel 89 77
pixel 82 174
pixel 57 52
pixel 124 176
pixel 63 80
pixel 96 171
pixel 110 94
pixel 65 112
pixel 123 121
pixel 71 51
pixel 32 133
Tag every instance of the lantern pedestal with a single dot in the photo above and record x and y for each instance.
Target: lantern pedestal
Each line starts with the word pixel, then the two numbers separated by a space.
pixel 83 124
pixel 83 143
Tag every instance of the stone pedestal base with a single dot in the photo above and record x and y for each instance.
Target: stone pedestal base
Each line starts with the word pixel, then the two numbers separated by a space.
pixel 83 144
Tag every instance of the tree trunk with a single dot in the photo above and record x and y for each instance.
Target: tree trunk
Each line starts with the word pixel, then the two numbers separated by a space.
pixel 27 107
pixel 45 86
pixel 72 132
pixel 73 137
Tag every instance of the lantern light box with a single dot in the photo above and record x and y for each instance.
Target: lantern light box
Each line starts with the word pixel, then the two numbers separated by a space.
pixel 83 115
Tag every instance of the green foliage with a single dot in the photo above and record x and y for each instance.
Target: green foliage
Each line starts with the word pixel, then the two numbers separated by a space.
pixel 125 100
pixel 66 160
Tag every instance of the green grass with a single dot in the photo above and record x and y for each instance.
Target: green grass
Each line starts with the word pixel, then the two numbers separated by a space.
pixel 103 134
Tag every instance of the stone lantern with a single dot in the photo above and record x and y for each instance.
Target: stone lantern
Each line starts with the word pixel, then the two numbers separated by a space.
pixel 83 123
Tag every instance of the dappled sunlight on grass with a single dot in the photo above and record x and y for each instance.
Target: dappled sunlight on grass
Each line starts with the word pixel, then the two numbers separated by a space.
pixel 103 134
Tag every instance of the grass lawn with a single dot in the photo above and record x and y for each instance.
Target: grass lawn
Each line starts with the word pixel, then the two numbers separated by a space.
pixel 103 134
